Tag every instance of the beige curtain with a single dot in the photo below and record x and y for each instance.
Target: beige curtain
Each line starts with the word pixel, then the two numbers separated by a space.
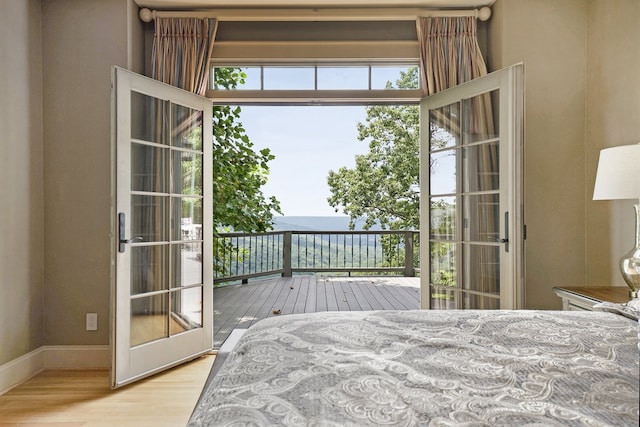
pixel 449 52
pixel 182 50
pixel 450 55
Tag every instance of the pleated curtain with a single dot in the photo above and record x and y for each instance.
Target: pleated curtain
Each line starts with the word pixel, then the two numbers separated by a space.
pixel 182 49
pixel 449 52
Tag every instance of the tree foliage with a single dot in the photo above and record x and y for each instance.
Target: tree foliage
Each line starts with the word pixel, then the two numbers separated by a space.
pixel 383 186
pixel 239 172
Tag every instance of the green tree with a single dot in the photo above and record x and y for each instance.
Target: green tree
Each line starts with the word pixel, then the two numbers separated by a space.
pixel 239 172
pixel 382 187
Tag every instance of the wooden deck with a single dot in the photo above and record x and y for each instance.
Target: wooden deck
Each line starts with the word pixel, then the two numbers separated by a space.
pixel 240 306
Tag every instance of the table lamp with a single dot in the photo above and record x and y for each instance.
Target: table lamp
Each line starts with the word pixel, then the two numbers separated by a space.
pixel 618 177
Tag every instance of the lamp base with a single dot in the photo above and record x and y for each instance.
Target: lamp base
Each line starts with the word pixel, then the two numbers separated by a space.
pixel 630 263
pixel 630 268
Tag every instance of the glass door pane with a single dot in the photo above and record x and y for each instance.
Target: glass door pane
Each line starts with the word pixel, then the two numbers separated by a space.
pixel 464 189
pixel 166 217
pixel 186 219
pixel 150 218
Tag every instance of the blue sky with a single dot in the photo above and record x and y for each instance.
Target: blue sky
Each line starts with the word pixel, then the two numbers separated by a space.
pixel 307 141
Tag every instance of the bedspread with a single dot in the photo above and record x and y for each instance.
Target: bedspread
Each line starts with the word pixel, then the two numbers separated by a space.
pixel 436 368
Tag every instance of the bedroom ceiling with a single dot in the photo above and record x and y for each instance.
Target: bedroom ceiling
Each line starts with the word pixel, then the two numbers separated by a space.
pixel 210 4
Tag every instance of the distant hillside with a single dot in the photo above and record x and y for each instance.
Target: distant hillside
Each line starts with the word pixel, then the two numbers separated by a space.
pixel 314 223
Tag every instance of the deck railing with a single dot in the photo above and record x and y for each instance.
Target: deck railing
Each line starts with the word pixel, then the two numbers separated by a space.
pixel 241 256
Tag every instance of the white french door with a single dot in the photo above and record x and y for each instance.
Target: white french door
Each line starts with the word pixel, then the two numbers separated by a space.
pixel 162 299
pixel 471 209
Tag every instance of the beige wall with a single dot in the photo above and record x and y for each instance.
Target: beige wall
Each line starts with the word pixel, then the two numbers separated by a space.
pixel 82 41
pixel 55 63
pixel 569 48
pixel 613 118
pixel 21 183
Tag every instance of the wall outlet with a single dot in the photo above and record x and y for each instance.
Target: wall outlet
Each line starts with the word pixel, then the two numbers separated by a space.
pixel 92 321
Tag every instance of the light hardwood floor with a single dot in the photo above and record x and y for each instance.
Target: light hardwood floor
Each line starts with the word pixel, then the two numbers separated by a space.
pixel 83 398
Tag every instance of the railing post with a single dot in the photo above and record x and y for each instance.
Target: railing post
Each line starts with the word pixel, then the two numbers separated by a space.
pixel 286 254
pixel 408 254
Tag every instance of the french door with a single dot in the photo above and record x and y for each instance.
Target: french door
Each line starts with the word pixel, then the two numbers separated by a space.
pixel 162 311
pixel 471 209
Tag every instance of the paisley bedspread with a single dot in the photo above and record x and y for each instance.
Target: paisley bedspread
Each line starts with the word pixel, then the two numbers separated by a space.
pixel 431 368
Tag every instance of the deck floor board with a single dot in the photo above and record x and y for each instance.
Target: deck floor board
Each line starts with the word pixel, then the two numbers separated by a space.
pixel 358 293
pixel 233 300
pixel 240 306
pixel 368 293
pixel 254 305
pixel 321 297
pixel 267 305
pixel 349 296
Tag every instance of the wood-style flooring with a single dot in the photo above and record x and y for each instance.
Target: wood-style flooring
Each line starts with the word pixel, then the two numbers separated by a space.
pixel 83 398
pixel 240 306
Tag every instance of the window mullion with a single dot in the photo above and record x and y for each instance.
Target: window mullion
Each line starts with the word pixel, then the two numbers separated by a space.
pixel 315 84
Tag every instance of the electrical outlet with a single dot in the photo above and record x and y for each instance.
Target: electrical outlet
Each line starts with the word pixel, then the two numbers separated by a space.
pixel 92 321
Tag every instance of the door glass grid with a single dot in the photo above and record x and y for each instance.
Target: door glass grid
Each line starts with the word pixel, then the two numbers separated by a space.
pixel 464 206
pixel 149 118
pixel 148 319
pixel 153 177
pixel 149 214
pixel 166 217
pixel 149 270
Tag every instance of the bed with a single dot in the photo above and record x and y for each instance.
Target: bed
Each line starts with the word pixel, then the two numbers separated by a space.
pixel 436 368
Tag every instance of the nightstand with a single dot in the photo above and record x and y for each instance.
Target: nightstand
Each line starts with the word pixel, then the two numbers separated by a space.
pixel 585 297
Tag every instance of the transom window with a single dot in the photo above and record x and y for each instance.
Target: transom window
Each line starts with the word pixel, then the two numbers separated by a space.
pixel 318 77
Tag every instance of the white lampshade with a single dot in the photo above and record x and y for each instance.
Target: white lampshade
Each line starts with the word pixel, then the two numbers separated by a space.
pixel 618 175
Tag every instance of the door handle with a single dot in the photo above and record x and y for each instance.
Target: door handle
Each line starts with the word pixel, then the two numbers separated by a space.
pixel 505 239
pixel 132 240
pixel 121 230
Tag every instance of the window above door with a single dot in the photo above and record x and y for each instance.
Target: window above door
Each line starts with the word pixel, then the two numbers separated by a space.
pixel 317 83
pixel 318 77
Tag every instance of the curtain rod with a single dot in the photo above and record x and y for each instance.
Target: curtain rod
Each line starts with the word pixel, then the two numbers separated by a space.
pixel 324 14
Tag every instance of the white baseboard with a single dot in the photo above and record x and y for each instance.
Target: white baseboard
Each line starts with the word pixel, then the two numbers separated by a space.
pixel 21 369
pixel 59 357
pixel 77 357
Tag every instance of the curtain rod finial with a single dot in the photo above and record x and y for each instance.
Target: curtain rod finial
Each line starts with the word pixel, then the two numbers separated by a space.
pixel 484 13
pixel 146 15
